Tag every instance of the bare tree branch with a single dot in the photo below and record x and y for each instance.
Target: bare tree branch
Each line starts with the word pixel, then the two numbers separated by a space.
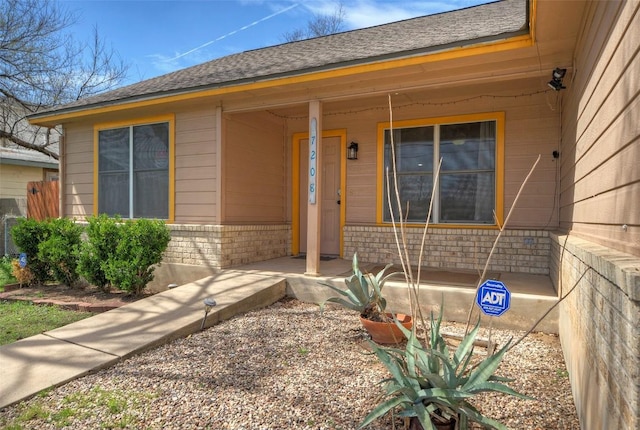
pixel 319 25
pixel 25 144
pixel 41 66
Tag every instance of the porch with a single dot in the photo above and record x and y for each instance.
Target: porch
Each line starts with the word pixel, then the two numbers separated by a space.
pixel 531 295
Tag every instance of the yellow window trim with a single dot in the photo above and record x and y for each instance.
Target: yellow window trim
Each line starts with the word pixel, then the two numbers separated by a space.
pixel 170 118
pixel 499 117
pixel 295 185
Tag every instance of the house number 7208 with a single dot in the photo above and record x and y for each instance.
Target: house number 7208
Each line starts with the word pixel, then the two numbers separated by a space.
pixel 313 159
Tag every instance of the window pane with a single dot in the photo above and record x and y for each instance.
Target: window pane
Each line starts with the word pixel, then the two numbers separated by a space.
pixel 413 148
pixel 113 194
pixel 151 171
pixel 151 191
pixel 415 192
pixel 414 163
pixel 468 146
pixel 113 172
pixel 113 150
pixel 467 197
pixel 151 147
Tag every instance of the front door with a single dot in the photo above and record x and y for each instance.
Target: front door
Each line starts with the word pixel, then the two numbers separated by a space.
pixel 330 195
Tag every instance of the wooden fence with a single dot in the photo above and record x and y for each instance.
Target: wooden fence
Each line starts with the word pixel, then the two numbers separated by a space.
pixel 43 200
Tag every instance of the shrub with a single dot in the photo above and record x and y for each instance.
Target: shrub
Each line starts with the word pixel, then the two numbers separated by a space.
pixel 141 245
pixel 103 235
pixel 6 271
pixel 28 234
pixel 51 247
pixel 60 250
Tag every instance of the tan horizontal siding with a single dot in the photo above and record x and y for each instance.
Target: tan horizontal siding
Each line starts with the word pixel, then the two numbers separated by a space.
pixel 196 197
pixel 195 174
pixel 83 180
pixel 78 171
pixel 613 208
pixel 207 173
pixel 196 160
pixel 255 188
pixel 600 177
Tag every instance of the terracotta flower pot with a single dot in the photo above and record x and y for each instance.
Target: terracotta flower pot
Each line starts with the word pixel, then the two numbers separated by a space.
pixel 414 424
pixel 387 332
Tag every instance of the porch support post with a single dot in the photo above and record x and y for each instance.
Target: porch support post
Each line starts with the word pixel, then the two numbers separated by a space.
pixel 314 192
pixel 219 210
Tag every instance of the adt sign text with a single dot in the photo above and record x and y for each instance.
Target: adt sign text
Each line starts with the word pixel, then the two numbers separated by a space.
pixel 493 298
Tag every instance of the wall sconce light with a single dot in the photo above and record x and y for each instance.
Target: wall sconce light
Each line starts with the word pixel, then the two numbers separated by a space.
pixel 556 79
pixel 352 151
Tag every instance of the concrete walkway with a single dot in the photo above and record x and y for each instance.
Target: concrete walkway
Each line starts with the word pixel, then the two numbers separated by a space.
pixel 58 356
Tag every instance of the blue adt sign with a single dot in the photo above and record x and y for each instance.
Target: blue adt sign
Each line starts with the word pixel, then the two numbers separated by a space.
pixel 22 260
pixel 493 298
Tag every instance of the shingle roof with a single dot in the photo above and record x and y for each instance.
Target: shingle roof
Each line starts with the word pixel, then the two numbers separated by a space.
pixel 27 157
pixel 492 21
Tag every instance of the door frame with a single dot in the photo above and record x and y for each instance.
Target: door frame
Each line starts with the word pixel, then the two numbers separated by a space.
pixel 295 185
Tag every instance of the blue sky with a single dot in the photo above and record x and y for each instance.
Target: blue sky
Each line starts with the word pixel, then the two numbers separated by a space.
pixel 157 37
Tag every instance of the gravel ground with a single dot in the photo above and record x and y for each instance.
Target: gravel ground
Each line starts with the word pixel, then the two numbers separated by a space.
pixel 283 367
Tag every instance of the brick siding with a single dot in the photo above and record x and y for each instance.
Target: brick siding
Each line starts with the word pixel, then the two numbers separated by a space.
pixel 222 246
pixel 599 330
pixel 519 251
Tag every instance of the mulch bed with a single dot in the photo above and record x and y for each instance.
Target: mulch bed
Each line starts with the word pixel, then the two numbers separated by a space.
pixel 85 299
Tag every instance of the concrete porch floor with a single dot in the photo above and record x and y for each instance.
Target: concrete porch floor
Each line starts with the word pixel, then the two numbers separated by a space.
pixel 531 295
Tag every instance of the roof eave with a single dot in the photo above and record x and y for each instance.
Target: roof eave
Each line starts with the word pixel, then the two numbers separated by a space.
pixel 519 38
pixel 27 163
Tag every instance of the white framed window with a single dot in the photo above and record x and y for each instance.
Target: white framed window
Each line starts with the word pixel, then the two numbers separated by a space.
pixel 470 176
pixel 133 170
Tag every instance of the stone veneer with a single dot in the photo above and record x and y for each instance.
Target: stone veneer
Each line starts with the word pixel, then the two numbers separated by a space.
pixel 521 251
pixel 599 330
pixel 222 246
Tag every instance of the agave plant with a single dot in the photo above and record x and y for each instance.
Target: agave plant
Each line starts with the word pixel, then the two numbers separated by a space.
pixel 363 293
pixel 434 386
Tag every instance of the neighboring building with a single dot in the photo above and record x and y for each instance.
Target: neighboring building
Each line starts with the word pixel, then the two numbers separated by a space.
pixel 18 167
pixel 222 152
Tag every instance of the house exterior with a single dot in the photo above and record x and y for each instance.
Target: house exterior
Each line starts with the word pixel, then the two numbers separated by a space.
pixel 249 157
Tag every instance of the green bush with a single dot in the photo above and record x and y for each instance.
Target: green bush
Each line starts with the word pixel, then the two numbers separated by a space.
pixel 103 236
pixel 51 247
pixel 141 245
pixel 6 275
pixel 28 234
pixel 60 250
pixel 116 253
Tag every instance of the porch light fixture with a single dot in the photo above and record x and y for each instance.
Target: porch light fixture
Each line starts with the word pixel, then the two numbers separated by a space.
pixel 209 302
pixel 556 79
pixel 352 151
